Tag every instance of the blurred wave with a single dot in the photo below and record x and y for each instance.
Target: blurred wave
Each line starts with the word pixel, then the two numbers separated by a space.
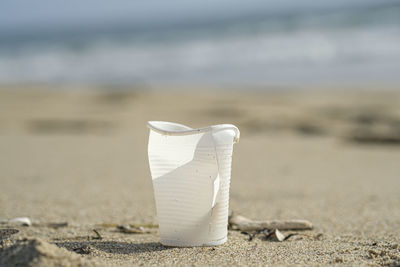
pixel 347 45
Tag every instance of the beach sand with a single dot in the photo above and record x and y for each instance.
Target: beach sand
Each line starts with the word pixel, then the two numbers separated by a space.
pixel 80 157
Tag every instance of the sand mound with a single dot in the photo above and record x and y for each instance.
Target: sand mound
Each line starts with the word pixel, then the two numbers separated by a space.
pixel 36 252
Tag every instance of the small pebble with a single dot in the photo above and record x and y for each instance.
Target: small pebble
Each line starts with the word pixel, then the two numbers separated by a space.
pixel 24 221
pixel 275 235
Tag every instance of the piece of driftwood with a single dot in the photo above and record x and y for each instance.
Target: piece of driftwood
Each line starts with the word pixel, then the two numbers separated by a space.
pixel 238 222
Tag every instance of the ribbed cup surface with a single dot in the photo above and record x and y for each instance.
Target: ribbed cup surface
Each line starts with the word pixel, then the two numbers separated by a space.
pixel 184 171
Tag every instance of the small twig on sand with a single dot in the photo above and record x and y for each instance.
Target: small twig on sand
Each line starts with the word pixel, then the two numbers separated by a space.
pixel 98 236
pixel 238 222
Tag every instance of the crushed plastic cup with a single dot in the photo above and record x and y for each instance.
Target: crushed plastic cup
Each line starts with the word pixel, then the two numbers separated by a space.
pixel 191 171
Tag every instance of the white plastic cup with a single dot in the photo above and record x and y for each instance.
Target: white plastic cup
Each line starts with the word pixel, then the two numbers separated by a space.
pixel 191 170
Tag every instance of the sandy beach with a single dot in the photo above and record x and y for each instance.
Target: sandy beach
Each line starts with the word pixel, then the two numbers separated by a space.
pixel 76 160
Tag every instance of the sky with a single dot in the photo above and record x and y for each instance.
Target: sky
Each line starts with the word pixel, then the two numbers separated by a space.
pixel 49 14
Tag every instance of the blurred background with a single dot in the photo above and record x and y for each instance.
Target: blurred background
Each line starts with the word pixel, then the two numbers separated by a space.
pixel 224 43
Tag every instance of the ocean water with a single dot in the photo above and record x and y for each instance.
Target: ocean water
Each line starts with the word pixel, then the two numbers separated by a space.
pixel 347 45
